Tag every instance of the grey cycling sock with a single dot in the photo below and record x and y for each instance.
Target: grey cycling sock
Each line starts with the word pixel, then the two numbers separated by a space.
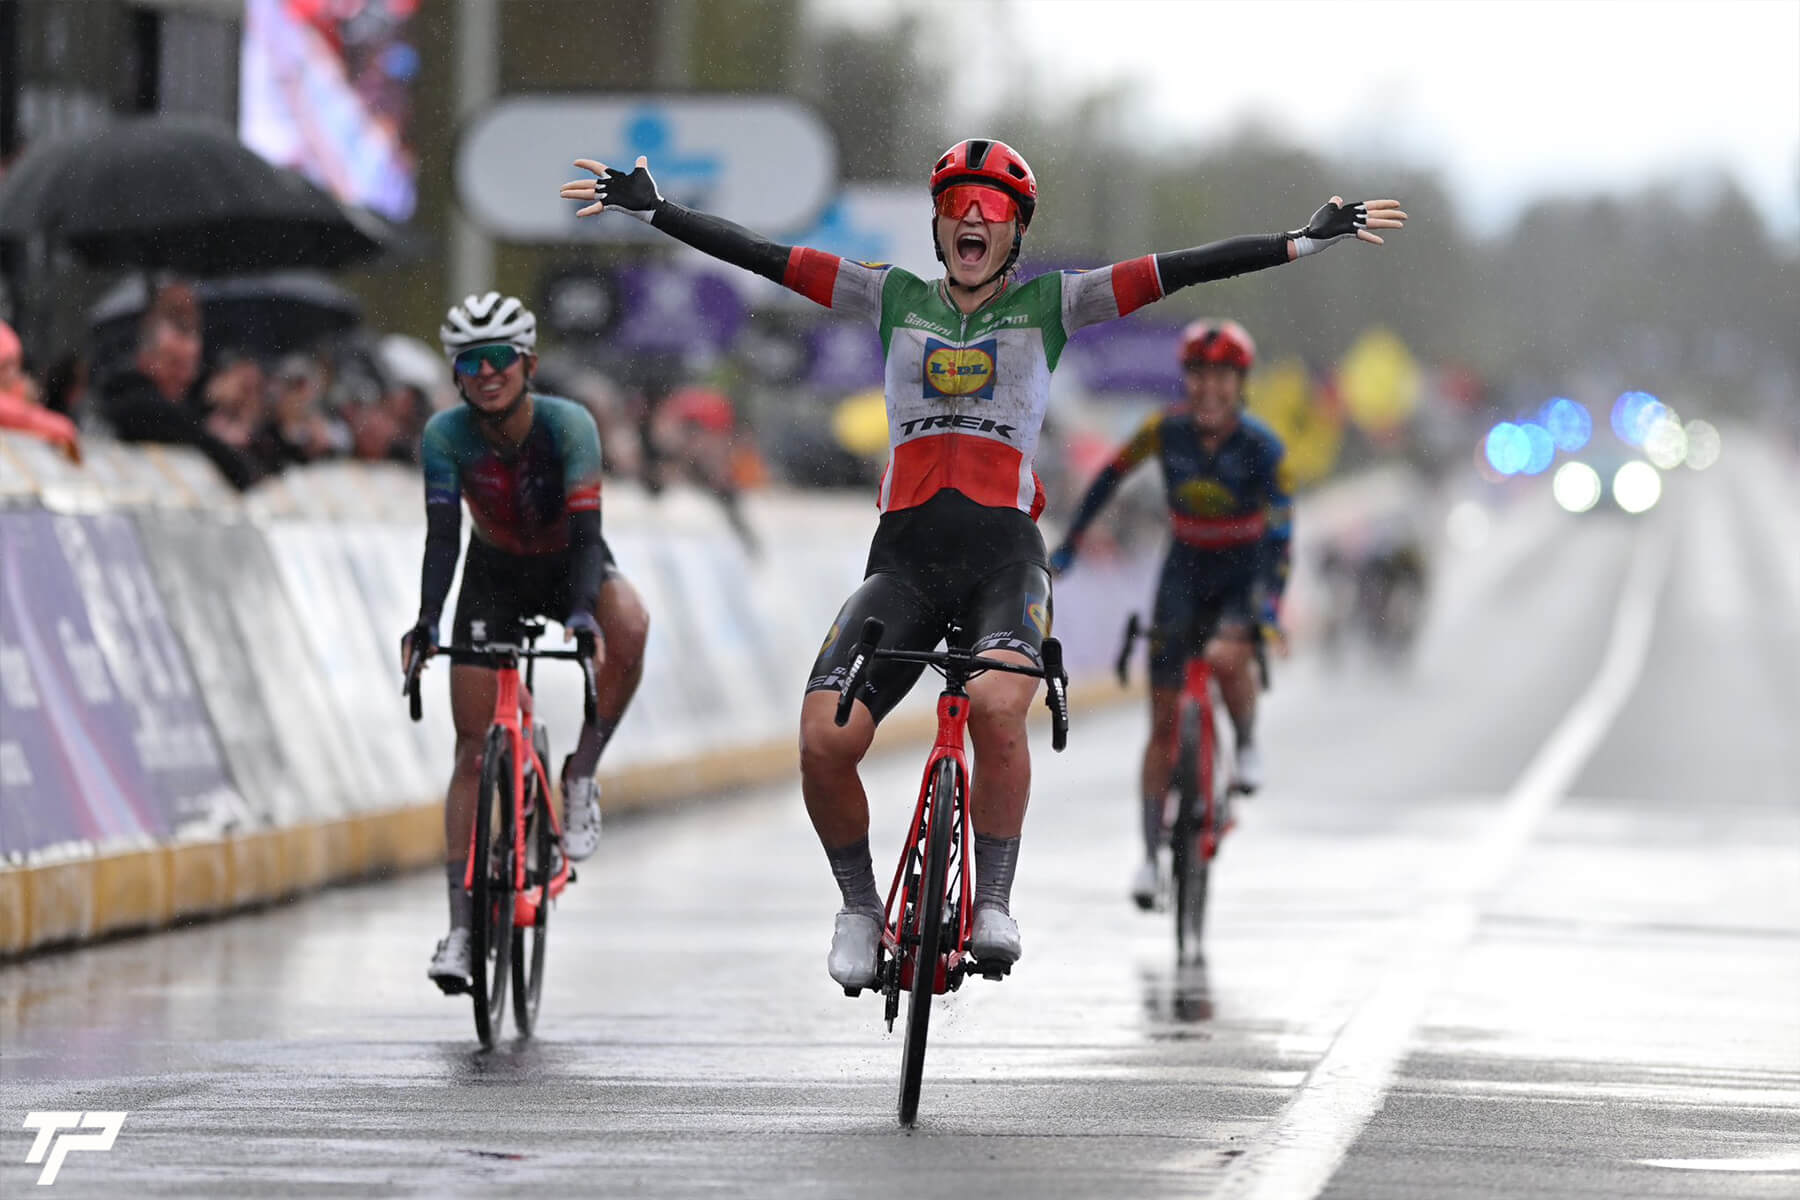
pixel 1153 825
pixel 855 874
pixel 995 859
pixel 588 747
pixel 462 905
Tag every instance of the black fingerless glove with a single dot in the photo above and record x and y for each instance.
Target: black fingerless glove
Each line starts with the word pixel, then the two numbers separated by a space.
pixel 632 192
pixel 1332 223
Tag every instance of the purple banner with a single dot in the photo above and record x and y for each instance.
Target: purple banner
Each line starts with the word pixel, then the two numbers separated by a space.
pixel 844 356
pixel 671 310
pixel 70 762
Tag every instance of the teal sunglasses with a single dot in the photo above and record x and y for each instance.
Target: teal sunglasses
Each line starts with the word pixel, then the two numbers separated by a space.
pixel 499 357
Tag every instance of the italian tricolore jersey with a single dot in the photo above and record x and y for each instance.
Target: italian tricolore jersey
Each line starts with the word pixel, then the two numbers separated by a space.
pixel 966 392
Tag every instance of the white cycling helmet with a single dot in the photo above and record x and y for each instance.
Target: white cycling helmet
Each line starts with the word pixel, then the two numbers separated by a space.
pixel 486 320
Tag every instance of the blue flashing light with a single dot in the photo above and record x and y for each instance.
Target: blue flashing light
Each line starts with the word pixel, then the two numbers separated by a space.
pixel 1540 449
pixel 1567 422
pixel 1634 415
pixel 1508 448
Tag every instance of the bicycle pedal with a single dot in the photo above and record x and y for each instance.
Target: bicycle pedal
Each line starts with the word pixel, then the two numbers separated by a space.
pixel 995 971
pixel 853 992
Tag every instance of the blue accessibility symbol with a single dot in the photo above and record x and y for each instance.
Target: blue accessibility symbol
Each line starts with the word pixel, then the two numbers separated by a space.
pixel 837 234
pixel 650 133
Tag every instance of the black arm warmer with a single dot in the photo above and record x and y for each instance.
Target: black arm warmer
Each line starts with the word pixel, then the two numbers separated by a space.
pixel 724 241
pixel 1221 260
pixel 443 539
pixel 587 565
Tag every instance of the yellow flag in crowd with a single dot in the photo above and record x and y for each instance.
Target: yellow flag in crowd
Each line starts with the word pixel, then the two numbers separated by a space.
pixel 1282 396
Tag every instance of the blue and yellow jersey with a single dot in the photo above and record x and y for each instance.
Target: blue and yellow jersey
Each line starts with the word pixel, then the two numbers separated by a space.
pixel 519 502
pixel 1236 503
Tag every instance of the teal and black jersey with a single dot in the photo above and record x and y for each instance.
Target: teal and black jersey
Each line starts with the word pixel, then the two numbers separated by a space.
pixel 519 502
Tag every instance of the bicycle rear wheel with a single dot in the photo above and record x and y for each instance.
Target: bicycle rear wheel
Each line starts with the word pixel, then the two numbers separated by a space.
pixel 946 797
pixel 529 942
pixel 490 940
pixel 1194 783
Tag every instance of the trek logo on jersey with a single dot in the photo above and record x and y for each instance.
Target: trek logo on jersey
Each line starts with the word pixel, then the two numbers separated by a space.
pixel 961 371
pixel 956 421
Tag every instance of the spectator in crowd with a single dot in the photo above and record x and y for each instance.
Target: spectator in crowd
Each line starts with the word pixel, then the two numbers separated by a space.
pixel 697 427
pixel 303 429
pixel 19 407
pixel 153 400
pixel 234 408
pixel 66 387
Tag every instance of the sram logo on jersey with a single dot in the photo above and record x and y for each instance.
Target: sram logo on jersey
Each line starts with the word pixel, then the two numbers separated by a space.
pixel 956 421
pixel 966 372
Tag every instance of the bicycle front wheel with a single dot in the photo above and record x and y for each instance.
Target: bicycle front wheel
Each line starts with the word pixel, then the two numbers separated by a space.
pixel 946 798
pixel 1191 866
pixel 529 941
pixel 491 925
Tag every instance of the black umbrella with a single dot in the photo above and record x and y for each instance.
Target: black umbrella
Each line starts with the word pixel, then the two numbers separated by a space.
pixel 176 193
pixel 267 315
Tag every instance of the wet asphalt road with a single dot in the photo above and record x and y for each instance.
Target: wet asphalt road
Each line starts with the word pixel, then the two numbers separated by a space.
pixel 1522 921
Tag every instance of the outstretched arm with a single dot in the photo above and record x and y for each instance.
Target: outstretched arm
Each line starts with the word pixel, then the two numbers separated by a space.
pixel 1145 280
pixel 1143 444
pixel 812 273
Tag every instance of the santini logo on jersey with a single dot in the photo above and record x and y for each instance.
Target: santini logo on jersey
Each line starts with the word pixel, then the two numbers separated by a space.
pixel 961 371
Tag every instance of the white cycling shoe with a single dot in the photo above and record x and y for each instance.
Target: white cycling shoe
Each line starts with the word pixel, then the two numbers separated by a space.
pixel 1146 883
pixel 855 937
pixel 581 817
pixel 995 938
pixel 450 968
pixel 1247 775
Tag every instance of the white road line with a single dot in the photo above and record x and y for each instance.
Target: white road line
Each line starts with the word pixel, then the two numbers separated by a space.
pixel 1344 1091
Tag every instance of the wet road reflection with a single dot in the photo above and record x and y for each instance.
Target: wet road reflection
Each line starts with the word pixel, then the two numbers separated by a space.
pixel 1617 1008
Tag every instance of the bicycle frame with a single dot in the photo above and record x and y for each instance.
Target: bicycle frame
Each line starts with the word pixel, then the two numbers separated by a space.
pixel 1196 690
pixel 515 711
pixel 953 722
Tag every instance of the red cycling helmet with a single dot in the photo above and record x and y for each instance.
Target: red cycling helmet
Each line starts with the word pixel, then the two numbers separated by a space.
pixel 988 163
pixel 1214 341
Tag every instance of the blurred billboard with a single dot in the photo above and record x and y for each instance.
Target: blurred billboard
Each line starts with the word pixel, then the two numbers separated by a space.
pixel 326 88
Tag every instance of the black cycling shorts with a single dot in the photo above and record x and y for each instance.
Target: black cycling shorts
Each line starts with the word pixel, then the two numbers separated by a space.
pixel 501 590
pixel 1198 595
pixel 947 562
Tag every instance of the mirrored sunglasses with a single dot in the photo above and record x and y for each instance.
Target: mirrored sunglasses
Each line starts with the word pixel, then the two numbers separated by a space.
pixel 499 357
pixel 994 205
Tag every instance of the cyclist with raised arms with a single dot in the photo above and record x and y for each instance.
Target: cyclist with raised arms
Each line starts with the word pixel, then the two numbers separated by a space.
pixel 528 466
pixel 968 362
pixel 1230 516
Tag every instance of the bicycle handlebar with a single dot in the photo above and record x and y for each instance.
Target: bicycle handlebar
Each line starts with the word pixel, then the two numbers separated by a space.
pixel 501 654
pixel 959 665
pixel 1134 629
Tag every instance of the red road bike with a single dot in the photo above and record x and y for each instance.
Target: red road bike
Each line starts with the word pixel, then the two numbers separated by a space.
pixel 930 913
pixel 1200 786
pixel 515 863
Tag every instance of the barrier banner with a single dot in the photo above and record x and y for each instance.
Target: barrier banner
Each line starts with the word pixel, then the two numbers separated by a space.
pixel 282 736
pixel 172 733
pixel 357 663
pixel 69 766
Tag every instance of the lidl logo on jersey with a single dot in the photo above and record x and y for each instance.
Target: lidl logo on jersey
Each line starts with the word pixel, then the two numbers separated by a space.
pixel 1205 498
pixel 960 371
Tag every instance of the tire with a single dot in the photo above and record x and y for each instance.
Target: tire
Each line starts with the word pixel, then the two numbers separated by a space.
pixel 946 798
pixel 490 941
pixel 529 942
pixel 1194 781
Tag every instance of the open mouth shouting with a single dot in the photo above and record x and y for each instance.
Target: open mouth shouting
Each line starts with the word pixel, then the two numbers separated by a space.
pixel 971 247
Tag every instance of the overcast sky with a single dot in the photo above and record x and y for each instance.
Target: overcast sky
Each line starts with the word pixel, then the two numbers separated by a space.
pixel 1511 100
